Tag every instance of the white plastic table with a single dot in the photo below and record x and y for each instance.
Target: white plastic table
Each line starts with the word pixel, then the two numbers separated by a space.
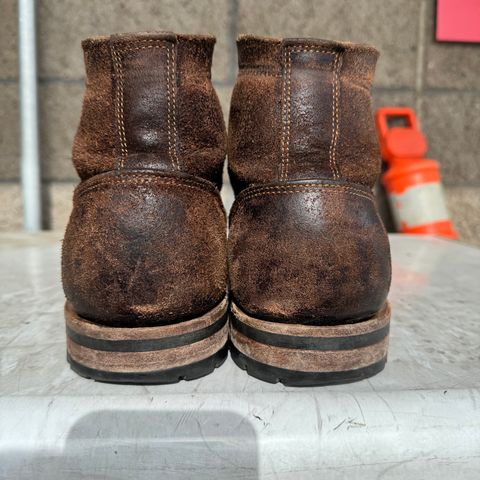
pixel 419 418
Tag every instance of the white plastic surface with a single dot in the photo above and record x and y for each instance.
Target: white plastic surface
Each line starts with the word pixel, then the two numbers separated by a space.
pixel 419 418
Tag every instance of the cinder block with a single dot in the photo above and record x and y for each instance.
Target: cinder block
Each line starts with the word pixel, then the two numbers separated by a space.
pixel 10 207
pixel 9 132
pixel 464 206
pixel 8 39
pixel 390 25
pixel 62 26
pixel 392 98
pixel 60 107
pixel 449 65
pixel 452 66
pixel 58 204
pixel 451 123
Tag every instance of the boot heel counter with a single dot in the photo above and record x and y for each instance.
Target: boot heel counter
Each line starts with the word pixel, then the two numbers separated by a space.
pixel 308 252
pixel 144 248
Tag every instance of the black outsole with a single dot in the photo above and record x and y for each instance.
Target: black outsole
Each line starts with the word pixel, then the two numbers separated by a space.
pixel 292 378
pixel 161 377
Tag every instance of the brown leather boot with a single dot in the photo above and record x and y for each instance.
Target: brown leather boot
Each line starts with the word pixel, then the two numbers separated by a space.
pixel 144 255
pixel 309 258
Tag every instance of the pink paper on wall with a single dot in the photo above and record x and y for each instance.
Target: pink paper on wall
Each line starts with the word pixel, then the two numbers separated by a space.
pixel 458 20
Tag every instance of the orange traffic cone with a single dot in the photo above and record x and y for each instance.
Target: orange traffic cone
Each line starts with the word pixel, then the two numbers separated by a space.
pixel 413 183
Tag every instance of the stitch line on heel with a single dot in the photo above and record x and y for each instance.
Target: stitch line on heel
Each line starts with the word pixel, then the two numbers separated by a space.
pixel 286 108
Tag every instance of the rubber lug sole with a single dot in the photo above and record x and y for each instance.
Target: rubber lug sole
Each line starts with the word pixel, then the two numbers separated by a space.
pixel 174 375
pixel 147 355
pixel 309 355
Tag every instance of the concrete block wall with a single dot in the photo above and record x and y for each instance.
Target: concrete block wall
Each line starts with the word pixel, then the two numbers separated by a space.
pixel 442 81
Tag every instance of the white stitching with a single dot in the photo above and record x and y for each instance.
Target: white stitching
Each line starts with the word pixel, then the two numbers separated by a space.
pixel 335 119
pixel 169 127
pixel 310 186
pixel 302 188
pixel 120 107
pixel 306 184
pixel 145 180
pixel 289 113
pixel 171 99
pixel 138 181
pixel 286 113
pixel 173 113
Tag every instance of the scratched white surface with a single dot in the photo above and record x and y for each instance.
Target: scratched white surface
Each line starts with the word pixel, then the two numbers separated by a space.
pixel 419 418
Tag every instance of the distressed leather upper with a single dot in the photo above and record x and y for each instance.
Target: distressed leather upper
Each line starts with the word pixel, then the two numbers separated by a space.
pixel 301 109
pixel 145 248
pixel 149 103
pixel 308 252
pixel 306 244
pixel 146 240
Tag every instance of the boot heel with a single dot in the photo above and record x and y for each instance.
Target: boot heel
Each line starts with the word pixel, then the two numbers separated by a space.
pixel 307 355
pixel 147 355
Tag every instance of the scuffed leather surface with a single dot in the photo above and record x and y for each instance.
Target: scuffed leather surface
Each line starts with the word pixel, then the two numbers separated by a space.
pixel 311 252
pixel 144 76
pixel 306 244
pixel 145 248
pixel 301 109
pixel 200 123
pixel 255 119
pixel 95 140
pixel 146 240
pixel 149 103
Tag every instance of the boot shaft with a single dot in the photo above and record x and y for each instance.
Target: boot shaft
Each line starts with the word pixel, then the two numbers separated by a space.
pixel 301 109
pixel 149 103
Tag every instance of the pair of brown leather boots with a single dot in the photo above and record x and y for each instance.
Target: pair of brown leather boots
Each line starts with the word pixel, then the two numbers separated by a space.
pixel 146 261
